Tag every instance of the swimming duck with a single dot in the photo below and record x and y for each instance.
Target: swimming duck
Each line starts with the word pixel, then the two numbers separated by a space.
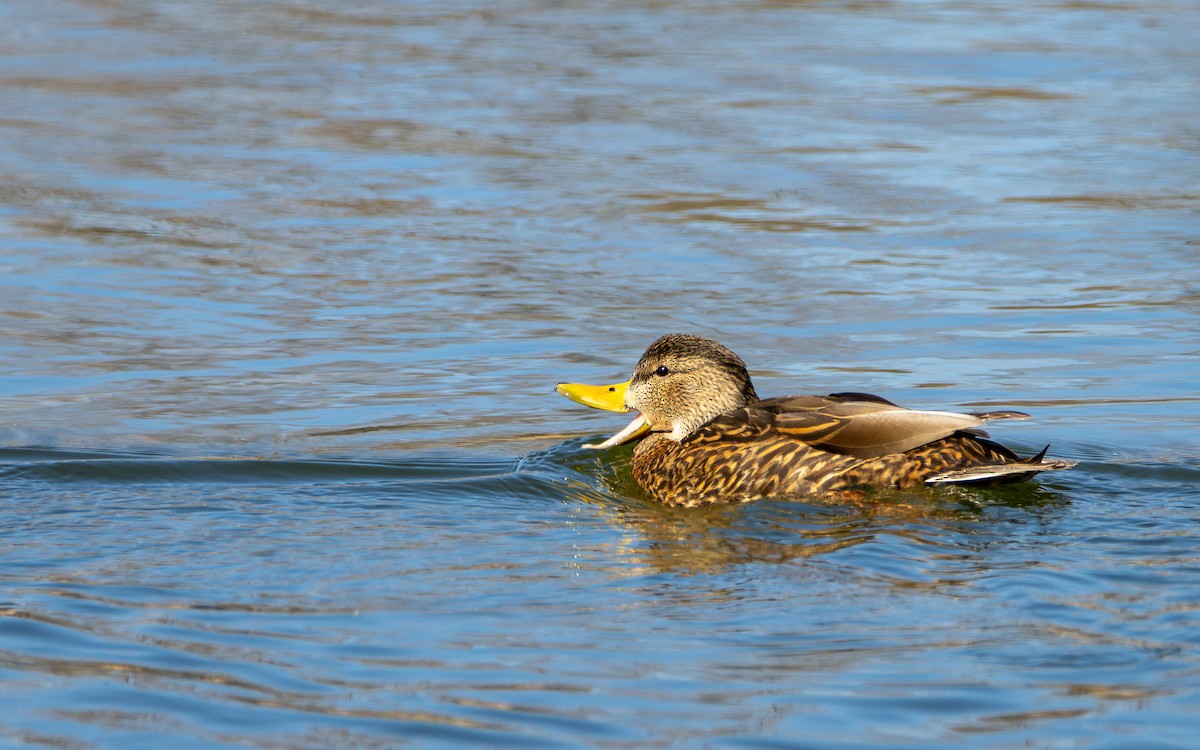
pixel 707 437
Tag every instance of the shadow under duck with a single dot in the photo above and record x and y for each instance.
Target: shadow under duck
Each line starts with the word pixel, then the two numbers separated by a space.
pixel 706 436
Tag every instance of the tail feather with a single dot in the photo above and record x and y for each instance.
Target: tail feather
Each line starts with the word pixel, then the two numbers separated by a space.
pixel 1002 473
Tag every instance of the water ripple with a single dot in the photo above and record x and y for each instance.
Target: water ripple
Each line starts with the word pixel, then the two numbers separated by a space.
pixel 285 288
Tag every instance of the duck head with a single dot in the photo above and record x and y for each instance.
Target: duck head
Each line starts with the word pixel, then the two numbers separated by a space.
pixel 684 381
pixel 680 383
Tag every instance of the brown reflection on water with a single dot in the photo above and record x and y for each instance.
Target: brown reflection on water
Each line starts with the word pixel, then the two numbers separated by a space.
pixel 151 676
pixel 696 544
pixel 373 206
pixel 715 539
pixel 753 214
pixel 412 137
pixel 969 94
pixel 1115 201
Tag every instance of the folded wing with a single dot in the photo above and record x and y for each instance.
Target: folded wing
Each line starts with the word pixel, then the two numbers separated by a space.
pixel 854 424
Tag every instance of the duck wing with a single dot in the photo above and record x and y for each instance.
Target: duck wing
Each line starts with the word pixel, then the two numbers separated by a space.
pixel 854 424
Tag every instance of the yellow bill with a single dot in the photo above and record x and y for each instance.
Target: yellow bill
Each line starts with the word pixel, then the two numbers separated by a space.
pixel 610 398
pixel 607 397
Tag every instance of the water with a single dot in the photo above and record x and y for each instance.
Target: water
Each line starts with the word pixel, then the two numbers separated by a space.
pixel 286 288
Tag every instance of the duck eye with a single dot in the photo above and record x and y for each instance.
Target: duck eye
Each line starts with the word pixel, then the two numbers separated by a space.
pixel 662 370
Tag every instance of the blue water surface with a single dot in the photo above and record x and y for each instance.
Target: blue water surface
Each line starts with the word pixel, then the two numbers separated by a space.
pixel 285 288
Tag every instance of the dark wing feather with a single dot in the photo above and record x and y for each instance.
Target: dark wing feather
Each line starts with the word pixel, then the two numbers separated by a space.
pixel 859 396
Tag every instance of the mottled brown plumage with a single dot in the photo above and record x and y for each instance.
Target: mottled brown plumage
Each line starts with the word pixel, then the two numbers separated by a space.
pixel 712 439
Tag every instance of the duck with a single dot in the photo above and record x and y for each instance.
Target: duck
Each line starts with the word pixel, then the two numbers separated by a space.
pixel 704 436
